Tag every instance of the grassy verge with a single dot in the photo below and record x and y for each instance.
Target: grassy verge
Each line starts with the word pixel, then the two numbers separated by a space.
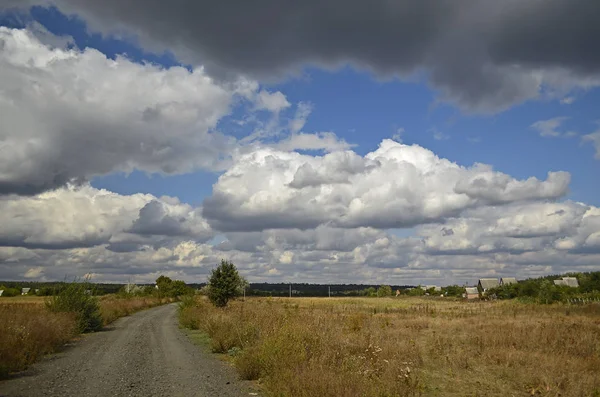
pixel 406 347
pixel 28 329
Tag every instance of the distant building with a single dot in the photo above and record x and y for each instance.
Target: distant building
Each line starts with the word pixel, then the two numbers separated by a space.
pixel 508 281
pixel 25 291
pixel 567 281
pixel 435 287
pixel 471 293
pixel 485 284
pixel 1 292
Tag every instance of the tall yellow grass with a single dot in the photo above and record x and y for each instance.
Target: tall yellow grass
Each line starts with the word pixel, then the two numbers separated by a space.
pixel 28 330
pixel 406 347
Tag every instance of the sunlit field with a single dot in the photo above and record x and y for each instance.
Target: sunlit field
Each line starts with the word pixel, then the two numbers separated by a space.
pixel 406 346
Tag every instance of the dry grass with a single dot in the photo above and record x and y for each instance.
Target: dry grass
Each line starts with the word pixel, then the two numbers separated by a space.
pixel 28 330
pixel 409 346
pixel 113 308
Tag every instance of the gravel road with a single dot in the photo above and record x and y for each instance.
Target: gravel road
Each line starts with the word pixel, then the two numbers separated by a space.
pixel 141 355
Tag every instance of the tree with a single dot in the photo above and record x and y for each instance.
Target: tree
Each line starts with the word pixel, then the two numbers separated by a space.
pixel 384 290
pixel 225 283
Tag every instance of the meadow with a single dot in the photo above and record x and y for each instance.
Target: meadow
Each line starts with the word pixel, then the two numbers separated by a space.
pixel 28 330
pixel 407 346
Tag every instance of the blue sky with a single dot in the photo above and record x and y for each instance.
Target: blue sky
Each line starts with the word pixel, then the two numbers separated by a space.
pixel 232 190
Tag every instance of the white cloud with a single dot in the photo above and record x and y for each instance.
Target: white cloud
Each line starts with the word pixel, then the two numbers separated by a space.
pixel 34 272
pixel 439 136
pixel 550 128
pixel 273 102
pixel 303 110
pixel 395 186
pixel 594 138
pixel 85 216
pixel 398 135
pixel 567 100
pixel 68 115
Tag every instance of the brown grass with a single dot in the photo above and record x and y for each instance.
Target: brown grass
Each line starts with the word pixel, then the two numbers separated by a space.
pixel 28 330
pixel 408 346
pixel 113 308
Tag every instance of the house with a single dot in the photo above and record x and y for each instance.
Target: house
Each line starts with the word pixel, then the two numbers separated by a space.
pixel 25 291
pixel 471 293
pixel 567 281
pixel 1 292
pixel 508 281
pixel 485 284
pixel 435 288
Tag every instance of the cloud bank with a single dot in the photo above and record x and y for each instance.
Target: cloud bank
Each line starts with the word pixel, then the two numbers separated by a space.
pixel 482 55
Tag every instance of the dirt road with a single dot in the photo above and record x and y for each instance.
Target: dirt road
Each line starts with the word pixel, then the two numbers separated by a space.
pixel 141 355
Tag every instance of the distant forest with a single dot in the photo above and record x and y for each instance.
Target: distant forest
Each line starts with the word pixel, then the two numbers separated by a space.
pixel 541 289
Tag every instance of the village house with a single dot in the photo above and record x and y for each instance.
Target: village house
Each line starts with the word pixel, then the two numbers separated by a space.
pixel 1 292
pixel 471 293
pixel 486 284
pixel 568 281
pixel 25 291
pixel 508 281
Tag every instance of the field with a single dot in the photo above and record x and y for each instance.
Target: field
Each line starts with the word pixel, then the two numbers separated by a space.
pixel 406 346
pixel 28 330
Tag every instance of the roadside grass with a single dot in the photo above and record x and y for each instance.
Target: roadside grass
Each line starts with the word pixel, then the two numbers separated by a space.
pixel 406 346
pixel 29 330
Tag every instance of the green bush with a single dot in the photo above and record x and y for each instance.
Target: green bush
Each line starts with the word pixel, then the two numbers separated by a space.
pixel 225 283
pixel 76 298
pixel 8 292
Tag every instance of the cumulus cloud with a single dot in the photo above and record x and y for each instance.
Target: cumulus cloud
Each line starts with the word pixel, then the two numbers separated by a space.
pixel 85 217
pixel 68 115
pixel 513 228
pixel 395 186
pixel 519 239
pixel 480 54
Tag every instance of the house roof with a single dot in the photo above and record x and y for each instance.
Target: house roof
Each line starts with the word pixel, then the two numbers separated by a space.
pixel 571 281
pixel 471 290
pixel 508 280
pixel 25 290
pixel 487 283
pixel 560 282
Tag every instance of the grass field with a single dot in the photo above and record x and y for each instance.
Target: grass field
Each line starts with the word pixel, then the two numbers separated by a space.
pixel 28 330
pixel 406 346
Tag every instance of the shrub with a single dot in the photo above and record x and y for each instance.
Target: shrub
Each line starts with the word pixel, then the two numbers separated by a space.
pixel 75 298
pixel 225 283
pixel 9 292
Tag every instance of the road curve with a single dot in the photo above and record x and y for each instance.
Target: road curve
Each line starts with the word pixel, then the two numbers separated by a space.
pixel 141 355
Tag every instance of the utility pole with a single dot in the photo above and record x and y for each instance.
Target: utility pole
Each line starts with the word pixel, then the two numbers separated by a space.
pixel 330 291
pixel 290 290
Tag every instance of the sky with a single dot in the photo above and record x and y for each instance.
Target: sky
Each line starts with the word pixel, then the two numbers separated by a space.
pixel 395 143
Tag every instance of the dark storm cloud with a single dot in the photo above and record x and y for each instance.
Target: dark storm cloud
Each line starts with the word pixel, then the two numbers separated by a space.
pixel 483 55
